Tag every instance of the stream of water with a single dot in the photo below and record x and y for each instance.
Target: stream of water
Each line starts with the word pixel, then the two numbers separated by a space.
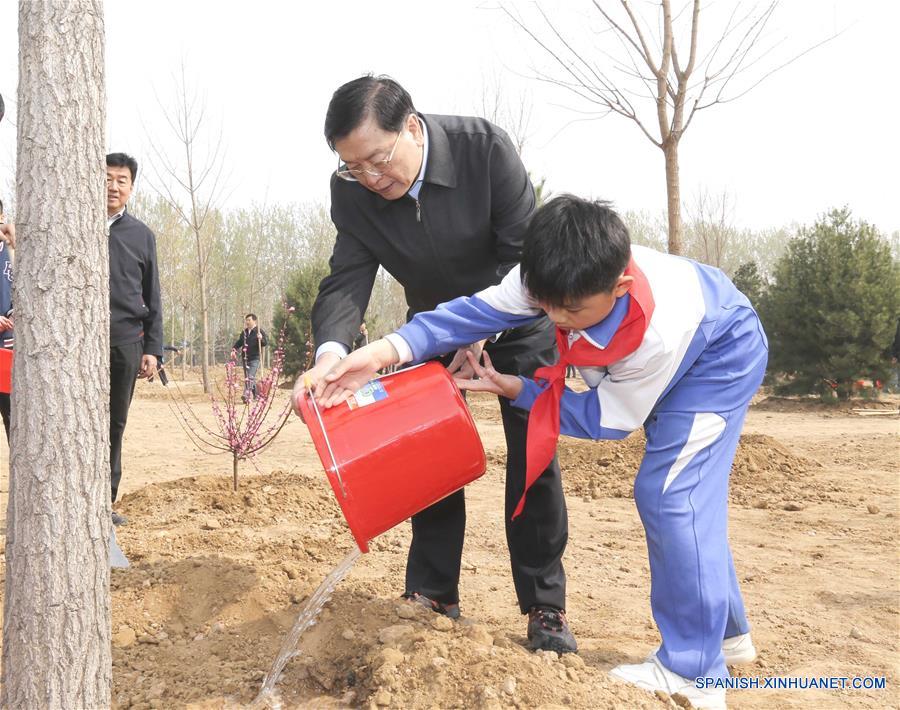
pixel 307 617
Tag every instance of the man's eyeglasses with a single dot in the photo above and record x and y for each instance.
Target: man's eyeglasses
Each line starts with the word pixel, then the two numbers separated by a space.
pixel 375 170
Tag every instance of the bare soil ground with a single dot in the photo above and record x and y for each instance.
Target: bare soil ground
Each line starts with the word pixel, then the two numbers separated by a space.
pixel 218 577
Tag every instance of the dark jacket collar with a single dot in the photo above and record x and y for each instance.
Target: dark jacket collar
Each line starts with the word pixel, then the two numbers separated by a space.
pixel 440 169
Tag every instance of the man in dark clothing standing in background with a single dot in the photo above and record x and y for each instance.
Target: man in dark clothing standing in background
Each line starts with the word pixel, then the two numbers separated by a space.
pixel 135 311
pixel 442 203
pixel 249 344
pixel 362 337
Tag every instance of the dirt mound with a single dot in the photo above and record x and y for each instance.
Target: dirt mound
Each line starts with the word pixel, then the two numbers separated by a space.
pixel 218 578
pixel 765 473
pixel 392 653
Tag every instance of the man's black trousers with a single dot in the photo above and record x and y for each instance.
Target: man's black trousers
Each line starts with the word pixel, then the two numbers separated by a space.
pixel 537 538
pixel 5 411
pixel 124 365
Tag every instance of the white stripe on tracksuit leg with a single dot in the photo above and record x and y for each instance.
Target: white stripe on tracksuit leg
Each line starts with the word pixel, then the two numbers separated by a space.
pixel 705 430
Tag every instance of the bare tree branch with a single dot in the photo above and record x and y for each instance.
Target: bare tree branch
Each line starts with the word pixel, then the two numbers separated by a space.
pixel 677 85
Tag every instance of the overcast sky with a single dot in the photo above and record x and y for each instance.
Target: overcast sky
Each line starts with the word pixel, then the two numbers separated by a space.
pixel 820 133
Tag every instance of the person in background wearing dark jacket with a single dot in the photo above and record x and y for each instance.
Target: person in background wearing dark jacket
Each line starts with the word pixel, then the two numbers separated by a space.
pixel 362 337
pixel 7 242
pixel 135 310
pixel 442 203
pixel 249 344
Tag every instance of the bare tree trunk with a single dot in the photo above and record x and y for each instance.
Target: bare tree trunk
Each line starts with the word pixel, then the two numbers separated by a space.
pixel 673 195
pixel 56 626
pixel 172 318
pixel 184 340
pixel 204 320
pixel 181 188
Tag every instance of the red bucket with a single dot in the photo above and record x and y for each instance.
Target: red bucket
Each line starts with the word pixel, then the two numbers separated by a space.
pixel 402 443
pixel 6 362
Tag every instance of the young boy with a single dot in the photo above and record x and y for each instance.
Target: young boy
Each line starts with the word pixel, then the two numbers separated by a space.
pixel 664 343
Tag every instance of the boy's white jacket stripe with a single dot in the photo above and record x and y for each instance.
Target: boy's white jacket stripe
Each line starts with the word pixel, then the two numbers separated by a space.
pixel 692 339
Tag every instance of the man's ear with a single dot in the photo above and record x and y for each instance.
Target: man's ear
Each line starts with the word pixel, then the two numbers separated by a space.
pixel 414 126
pixel 623 285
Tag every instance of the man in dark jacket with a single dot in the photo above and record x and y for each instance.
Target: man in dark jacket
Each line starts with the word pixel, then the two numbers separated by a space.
pixel 249 346
pixel 442 203
pixel 135 311
pixel 362 337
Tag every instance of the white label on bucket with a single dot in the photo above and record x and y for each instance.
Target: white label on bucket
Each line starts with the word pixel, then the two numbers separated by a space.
pixel 372 392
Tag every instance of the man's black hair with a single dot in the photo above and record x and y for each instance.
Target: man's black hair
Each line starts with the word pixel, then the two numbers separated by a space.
pixel 573 248
pixel 380 97
pixel 253 316
pixel 123 160
pixel 1 206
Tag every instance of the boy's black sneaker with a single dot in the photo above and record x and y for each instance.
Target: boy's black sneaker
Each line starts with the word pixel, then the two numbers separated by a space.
pixel 118 519
pixel 548 630
pixel 450 610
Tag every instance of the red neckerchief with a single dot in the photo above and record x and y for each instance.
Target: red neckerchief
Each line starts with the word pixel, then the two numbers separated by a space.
pixel 543 422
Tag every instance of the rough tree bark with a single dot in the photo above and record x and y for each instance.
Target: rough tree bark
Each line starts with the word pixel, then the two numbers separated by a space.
pixel 56 626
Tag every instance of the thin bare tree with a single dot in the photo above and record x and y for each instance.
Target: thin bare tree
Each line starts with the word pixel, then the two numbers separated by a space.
pixel 710 227
pixel 193 183
pixel 658 74
pixel 512 112
pixel 56 623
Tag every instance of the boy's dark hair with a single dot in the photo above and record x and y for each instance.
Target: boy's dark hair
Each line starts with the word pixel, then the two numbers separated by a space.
pixel 573 248
pixel 1 206
pixel 380 97
pixel 123 160
pixel 251 315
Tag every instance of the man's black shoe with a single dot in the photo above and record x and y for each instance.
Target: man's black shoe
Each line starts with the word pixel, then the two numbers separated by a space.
pixel 118 520
pixel 450 610
pixel 548 630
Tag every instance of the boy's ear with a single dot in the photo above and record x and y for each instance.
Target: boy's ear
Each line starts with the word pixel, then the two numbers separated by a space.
pixel 623 285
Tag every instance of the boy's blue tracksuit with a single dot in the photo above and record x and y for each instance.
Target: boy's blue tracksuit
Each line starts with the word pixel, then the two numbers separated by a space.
pixel 688 381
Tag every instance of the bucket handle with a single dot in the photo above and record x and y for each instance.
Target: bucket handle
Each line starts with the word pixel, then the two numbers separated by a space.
pixel 337 469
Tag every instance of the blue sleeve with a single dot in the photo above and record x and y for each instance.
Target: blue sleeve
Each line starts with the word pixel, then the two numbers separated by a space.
pixel 456 324
pixel 579 412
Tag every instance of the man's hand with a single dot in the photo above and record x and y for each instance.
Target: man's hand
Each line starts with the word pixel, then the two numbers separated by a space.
pixel 354 371
pixel 8 234
pixel 489 380
pixel 148 367
pixel 312 378
pixel 459 367
pixel 5 324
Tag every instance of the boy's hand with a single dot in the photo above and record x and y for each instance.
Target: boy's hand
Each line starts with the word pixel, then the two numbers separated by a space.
pixel 460 367
pixel 489 380
pixel 352 373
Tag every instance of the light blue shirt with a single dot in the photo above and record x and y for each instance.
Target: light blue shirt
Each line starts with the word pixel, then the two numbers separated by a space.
pixel 417 185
